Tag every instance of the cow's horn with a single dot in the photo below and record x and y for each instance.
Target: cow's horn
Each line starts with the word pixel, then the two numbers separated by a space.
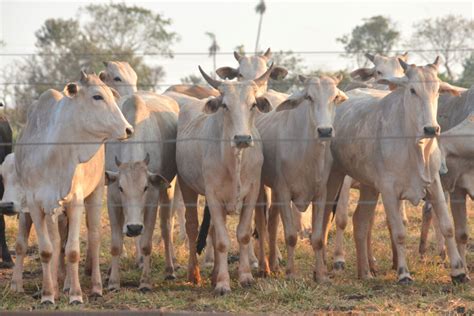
pixel 237 56
pixel 213 82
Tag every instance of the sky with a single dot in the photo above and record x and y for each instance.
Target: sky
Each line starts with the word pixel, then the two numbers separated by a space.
pixel 300 26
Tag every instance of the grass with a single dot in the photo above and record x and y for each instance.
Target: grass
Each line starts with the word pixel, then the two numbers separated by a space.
pixel 432 291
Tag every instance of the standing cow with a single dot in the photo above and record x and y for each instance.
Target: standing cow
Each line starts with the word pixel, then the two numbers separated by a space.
pixel 224 164
pixel 296 170
pixel 395 154
pixel 60 163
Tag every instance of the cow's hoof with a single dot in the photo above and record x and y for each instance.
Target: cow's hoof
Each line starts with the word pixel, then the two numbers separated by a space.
pixel 246 280
pixel 339 265
pixel 113 287
pixel 222 290
pixel 75 302
pixel 405 281
pixel 170 277
pixel 47 302
pixel 460 279
pixel 6 265
pixel 95 296
pixel 321 279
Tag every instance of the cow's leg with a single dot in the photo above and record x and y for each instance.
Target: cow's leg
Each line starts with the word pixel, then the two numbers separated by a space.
pixel 342 218
pixel 53 230
pixel 21 247
pixel 62 273
pixel 394 247
pixel 93 205
pixel 190 199
pixel 116 218
pixel 362 222
pixel 74 213
pixel 215 268
pixel 6 257
pixel 458 208
pixel 165 222
pixel 320 222
pixel 252 257
pixel 46 252
pixel 426 219
pixel 436 196
pixel 440 242
pixel 273 221
pixel 261 226
pixel 179 211
pixel 209 251
pixel 370 253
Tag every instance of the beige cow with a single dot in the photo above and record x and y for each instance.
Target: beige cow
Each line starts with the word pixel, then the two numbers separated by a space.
pixel 120 76
pixel 218 158
pixel 296 170
pixel 60 163
pixel 391 150
pixel 138 174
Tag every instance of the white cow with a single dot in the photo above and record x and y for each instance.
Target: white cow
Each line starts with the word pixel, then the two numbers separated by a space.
pixel 386 142
pixel 60 163
pixel 217 157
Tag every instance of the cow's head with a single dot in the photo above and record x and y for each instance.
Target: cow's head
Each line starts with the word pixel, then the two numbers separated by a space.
pixel 135 183
pixel 14 198
pixel 251 67
pixel 384 67
pixel 120 76
pixel 421 88
pixel 95 107
pixel 238 104
pixel 320 95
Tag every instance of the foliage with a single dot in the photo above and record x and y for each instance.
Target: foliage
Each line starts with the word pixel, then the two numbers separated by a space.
pixel 467 76
pixel 377 34
pixel 193 80
pixel 449 36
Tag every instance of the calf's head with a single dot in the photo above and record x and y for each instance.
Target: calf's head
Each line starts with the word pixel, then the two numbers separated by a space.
pixel 238 104
pixel 320 95
pixel 135 183
pixel 14 199
pixel 383 67
pixel 95 108
pixel 120 76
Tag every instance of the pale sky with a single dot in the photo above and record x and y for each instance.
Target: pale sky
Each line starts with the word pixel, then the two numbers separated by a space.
pixel 287 25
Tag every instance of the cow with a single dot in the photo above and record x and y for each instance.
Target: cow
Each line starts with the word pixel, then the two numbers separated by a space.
pixel 455 115
pixel 296 170
pixel 59 159
pixel 391 150
pixel 138 174
pixel 5 149
pixel 120 76
pixel 224 165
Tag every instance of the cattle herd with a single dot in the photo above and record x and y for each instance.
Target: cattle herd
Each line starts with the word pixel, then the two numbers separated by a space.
pixel 396 131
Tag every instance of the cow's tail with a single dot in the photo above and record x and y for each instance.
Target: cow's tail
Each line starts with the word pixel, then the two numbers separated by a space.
pixel 334 205
pixel 203 230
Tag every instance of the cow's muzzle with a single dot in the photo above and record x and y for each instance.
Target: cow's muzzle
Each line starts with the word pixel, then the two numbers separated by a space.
pixel 7 208
pixel 243 141
pixel 134 230
pixel 431 131
pixel 324 132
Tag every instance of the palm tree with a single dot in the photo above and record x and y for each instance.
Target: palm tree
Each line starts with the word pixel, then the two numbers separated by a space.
pixel 260 9
pixel 213 49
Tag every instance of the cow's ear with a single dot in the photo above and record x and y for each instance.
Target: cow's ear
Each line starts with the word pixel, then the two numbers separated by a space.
pixel 103 76
pixel 227 72
pixel 445 87
pixel 263 105
pixel 71 89
pixel 363 74
pixel 394 82
pixel 289 104
pixel 115 93
pixel 157 180
pixel 212 105
pixel 278 73
pixel 110 177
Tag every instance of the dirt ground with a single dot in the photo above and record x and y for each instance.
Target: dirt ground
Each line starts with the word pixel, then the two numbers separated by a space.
pixel 431 292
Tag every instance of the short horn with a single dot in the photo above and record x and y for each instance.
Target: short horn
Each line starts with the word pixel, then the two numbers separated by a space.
pixel 370 57
pixel 117 161
pixel 436 62
pixel 403 64
pixel 212 82
pixel 268 54
pixel 237 56
pixel 83 77
pixel 264 78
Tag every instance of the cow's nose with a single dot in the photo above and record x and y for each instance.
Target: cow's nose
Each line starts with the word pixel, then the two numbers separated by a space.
pixel 325 131
pixel 243 141
pixel 134 230
pixel 129 131
pixel 431 130
pixel 7 208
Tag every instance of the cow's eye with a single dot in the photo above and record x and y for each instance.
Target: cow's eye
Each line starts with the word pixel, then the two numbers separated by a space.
pixel 336 98
pixel 117 79
pixel 224 106
pixel 309 98
pixel 121 189
pixel 145 189
pixel 412 91
pixel 379 73
pixel 98 97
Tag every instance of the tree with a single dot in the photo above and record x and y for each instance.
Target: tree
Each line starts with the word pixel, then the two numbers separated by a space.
pixel 467 77
pixel 213 49
pixel 193 80
pixel 449 36
pixel 377 34
pixel 100 32
pixel 260 9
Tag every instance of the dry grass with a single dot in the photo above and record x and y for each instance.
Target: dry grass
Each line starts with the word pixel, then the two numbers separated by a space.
pixel 431 292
